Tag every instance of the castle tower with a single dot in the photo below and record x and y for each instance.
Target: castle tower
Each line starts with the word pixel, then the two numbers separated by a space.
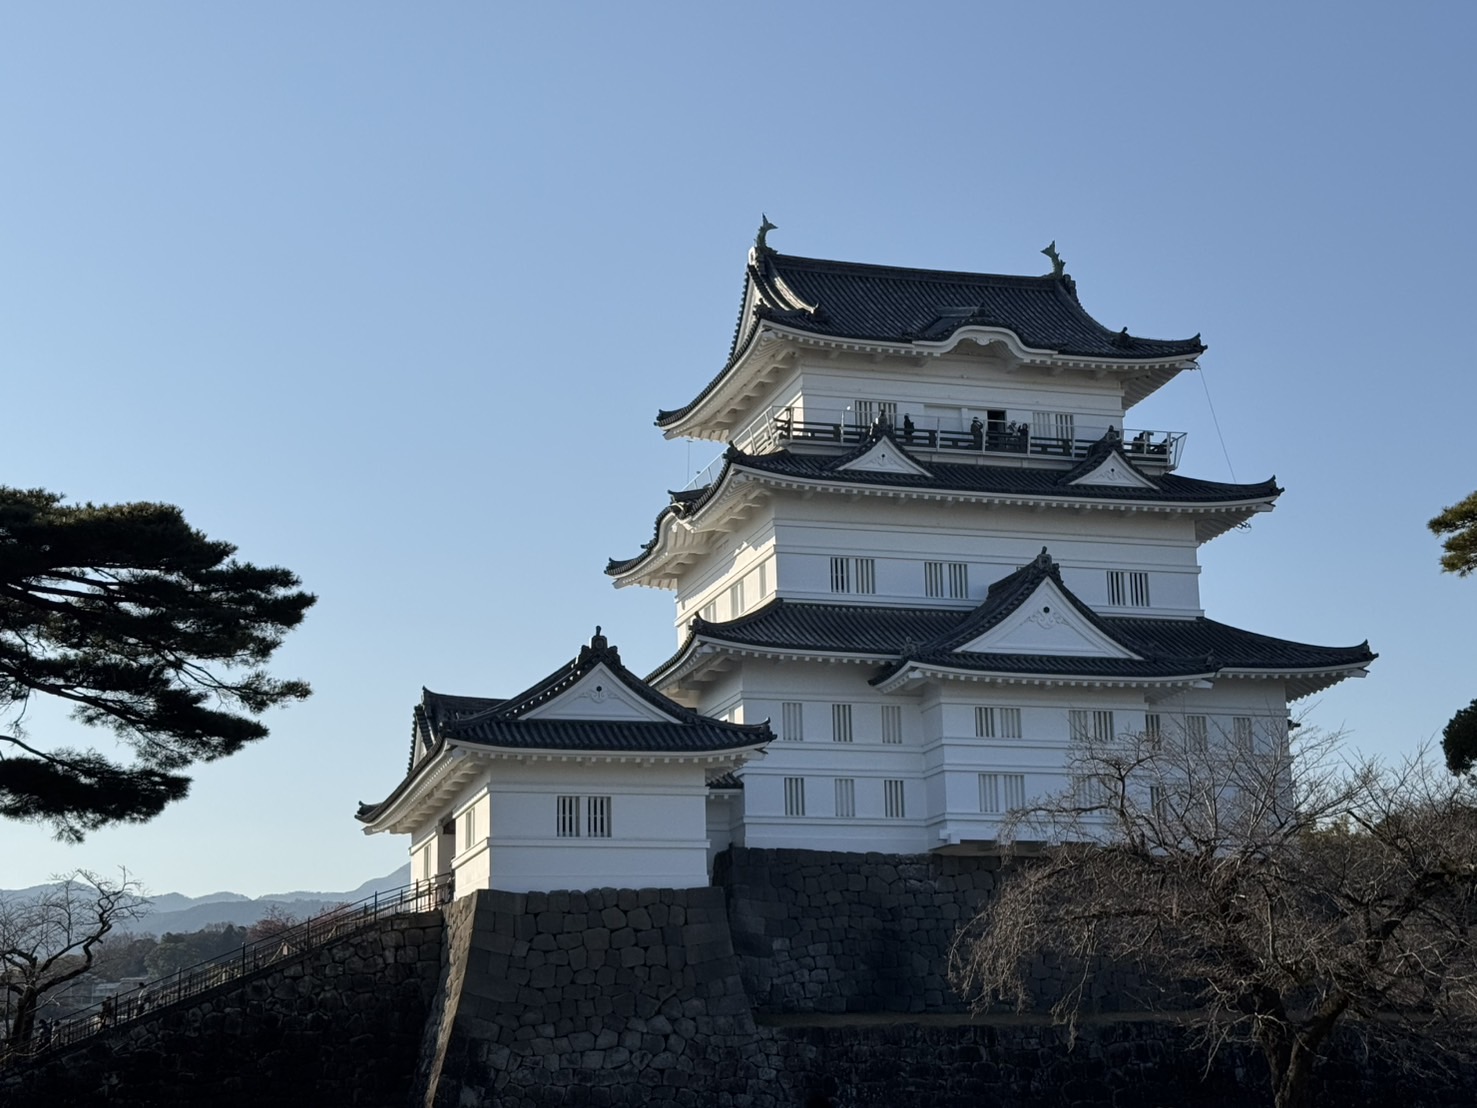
pixel 934 552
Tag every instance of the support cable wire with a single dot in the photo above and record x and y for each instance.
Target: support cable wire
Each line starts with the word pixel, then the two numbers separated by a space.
pixel 1216 420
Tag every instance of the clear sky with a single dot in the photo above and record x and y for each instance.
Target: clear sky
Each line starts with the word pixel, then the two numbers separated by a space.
pixel 389 294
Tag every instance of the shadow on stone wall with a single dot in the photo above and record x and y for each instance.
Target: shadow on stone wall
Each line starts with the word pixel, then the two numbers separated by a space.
pixel 339 1025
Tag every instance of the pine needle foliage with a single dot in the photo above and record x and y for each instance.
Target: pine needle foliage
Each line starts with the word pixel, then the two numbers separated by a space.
pixel 148 628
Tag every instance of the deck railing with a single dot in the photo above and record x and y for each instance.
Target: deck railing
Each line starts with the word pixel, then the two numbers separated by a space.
pixel 778 428
pixel 290 942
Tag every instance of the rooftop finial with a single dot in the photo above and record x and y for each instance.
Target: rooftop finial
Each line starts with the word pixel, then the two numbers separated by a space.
pixel 1043 560
pixel 598 642
pixel 1058 267
pixel 764 228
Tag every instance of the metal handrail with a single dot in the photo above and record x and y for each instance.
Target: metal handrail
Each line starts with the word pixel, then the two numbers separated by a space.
pixel 297 939
pixel 777 427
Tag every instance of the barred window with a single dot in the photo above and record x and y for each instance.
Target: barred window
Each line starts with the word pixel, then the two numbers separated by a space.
pixel 1094 726
pixel 990 792
pixel 469 828
pixel 854 575
pixel 587 816
pixel 1013 790
pixel 1197 734
pixel 569 817
pixel 845 797
pixel 1158 805
pixel 892 723
pixel 794 796
pixel 1000 792
pixel 792 721
pixel 841 722
pixel 1153 730
pixel 736 599
pixel 597 817
pixel 997 723
pixel 958 580
pixel 1241 733
pixel 709 612
pixel 1128 590
pixel 933 578
pixel 892 799
pixel 763 579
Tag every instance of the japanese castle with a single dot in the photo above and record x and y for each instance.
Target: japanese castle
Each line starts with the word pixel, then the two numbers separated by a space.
pixel 934 553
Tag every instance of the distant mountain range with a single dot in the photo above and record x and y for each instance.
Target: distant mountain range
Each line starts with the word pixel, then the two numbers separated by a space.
pixel 177 912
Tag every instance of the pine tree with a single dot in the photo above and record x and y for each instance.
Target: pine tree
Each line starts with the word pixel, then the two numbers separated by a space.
pixel 148 628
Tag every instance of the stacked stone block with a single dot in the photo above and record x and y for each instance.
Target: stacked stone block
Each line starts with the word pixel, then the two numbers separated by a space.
pixel 341 1024
pixel 607 997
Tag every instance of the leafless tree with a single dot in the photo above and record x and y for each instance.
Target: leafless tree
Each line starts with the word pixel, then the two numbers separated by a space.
pixel 52 937
pixel 1296 889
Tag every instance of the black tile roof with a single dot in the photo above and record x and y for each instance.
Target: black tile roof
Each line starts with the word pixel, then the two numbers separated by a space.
pixel 892 304
pixel 894 636
pixel 987 480
pixel 706 737
pixel 503 723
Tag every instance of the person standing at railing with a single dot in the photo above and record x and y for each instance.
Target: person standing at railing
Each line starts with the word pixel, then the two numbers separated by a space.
pixel 977 433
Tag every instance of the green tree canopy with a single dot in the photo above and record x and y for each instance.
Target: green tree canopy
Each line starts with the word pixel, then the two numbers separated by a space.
pixel 1459 526
pixel 148 628
pixel 1459 740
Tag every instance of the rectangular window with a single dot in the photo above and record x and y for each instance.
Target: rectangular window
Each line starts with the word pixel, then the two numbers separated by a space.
pixel 949 579
pixel 1197 734
pixel 1128 590
pixel 892 723
pixel 1013 790
pixel 1093 726
pixel 1138 590
pixel 736 599
pixel 857 575
pixel 709 612
pixel 997 723
pixel 597 817
pixel 841 723
pixel 867 412
pixel 794 796
pixel 1088 791
pixel 933 578
pixel 583 816
pixel 763 579
pixel 1153 730
pixel 958 580
pixel 840 574
pixel 990 793
pixel 1241 733
pixel 569 817
pixel 469 828
pixel 792 721
pixel 1000 792
pixel 1051 433
pixel 892 799
pixel 845 797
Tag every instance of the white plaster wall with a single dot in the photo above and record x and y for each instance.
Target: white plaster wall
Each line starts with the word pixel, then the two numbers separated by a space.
pixel 659 833
pixel 993 542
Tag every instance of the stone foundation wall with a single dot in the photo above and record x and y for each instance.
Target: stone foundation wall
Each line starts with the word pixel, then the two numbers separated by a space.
pixel 336 1026
pixel 831 933
pixel 605 997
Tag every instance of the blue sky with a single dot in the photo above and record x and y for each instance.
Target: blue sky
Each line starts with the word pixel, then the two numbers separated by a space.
pixel 391 295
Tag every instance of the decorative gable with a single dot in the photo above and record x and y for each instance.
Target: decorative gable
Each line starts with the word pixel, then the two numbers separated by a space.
pixel 1114 470
pixel 884 456
pixel 599 695
pixel 1046 623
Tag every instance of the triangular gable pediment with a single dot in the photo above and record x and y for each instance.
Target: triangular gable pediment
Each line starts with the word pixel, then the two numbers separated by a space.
pixel 1046 623
pixel 1114 470
pixel 884 456
pixel 599 695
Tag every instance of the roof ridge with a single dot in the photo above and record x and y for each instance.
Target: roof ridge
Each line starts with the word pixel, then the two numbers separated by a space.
pixel 835 264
